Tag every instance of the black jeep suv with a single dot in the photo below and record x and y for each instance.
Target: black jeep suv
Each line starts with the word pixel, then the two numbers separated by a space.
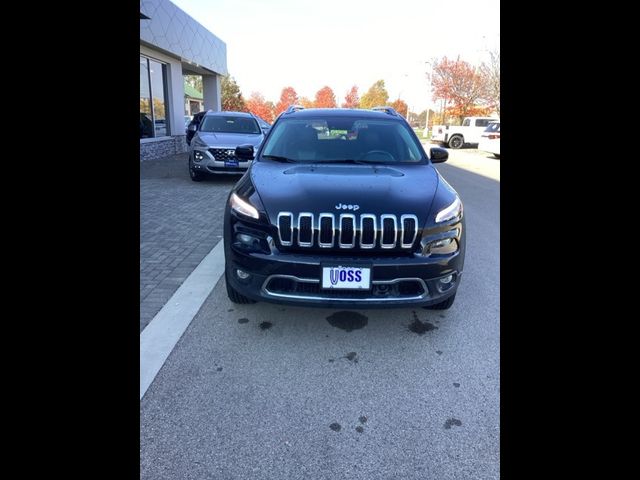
pixel 343 208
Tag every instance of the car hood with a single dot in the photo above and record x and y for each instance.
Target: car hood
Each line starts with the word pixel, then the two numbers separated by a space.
pixel 229 140
pixel 316 188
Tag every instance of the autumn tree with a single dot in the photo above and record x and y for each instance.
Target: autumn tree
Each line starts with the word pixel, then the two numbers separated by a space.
pixel 352 99
pixel 491 72
pixel 260 107
pixel 195 81
pixel 376 96
pixel 325 98
pixel 418 119
pixel 232 99
pixel 401 107
pixel 306 102
pixel 288 97
pixel 473 111
pixel 460 85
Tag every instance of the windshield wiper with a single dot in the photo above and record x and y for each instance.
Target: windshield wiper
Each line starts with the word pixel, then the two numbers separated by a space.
pixel 279 159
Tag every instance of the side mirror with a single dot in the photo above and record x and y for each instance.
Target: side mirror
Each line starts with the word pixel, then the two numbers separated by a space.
pixel 438 155
pixel 244 152
pixel 192 128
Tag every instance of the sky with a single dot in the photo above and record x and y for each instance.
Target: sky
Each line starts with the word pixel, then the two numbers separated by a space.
pixel 306 44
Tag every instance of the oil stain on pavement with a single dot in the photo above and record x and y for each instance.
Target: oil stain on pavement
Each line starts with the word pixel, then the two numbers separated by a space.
pixel 265 325
pixel 351 356
pixel 420 327
pixel 347 321
pixel 452 421
pixel 335 426
pixel 243 320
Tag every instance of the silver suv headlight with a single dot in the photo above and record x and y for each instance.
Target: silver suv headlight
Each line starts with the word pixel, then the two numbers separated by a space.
pixel 454 210
pixel 243 207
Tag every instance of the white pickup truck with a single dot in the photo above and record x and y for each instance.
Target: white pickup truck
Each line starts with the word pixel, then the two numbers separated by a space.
pixel 457 136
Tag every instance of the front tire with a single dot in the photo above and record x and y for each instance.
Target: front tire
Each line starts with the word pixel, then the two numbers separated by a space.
pixel 443 305
pixel 195 176
pixel 234 295
pixel 456 142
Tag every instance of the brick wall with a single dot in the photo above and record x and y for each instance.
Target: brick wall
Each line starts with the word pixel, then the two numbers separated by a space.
pixel 163 148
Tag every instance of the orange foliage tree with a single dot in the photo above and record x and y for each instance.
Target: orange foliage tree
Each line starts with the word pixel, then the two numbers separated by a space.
pixel 325 98
pixel 288 97
pixel 401 107
pixel 470 111
pixel 305 102
pixel 352 99
pixel 260 107
pixel 460 85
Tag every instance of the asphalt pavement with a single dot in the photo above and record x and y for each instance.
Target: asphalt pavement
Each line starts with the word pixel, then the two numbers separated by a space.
pixel 276 392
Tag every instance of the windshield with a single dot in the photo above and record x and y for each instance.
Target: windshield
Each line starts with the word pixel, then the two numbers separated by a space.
pixel 342 139
pixel 229 124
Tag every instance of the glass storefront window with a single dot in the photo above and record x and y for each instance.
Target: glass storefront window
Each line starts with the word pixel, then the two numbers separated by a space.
pixel 157 87
pixel 154 119
pixel 146 123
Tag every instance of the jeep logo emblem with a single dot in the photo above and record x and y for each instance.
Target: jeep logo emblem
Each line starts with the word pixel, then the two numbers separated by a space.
pixel 342 206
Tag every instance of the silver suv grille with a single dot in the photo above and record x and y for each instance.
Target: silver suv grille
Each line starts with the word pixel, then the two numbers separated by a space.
pixel 222 154
pixel 346 230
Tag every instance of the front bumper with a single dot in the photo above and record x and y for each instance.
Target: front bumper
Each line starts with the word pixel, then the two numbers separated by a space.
pixel 294 279
pixel 210 165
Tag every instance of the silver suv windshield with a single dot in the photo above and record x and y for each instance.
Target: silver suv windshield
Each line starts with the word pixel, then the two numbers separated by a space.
pixel 342 139
pixel 229 124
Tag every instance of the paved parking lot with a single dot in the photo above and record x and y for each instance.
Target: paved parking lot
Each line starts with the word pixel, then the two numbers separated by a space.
pixel 266 391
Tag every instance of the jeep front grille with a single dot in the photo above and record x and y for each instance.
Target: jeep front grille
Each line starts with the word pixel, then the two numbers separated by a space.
pixel 366 231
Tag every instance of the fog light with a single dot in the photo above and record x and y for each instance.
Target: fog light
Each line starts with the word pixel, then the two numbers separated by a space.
pixel 198 156
pixel 242 275
pixel 447 279
pixel 244 238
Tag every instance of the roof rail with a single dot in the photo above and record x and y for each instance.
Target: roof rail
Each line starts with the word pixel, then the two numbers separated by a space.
pixel 389 110
pixel 294 108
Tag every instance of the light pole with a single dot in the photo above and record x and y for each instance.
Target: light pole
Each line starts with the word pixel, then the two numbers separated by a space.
pixel 426 122
pixel 404 84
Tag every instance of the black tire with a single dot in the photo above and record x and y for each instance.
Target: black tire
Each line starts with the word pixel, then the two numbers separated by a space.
pixel 456 142
pixel 195 176
pixel 443 305
pixel 234 295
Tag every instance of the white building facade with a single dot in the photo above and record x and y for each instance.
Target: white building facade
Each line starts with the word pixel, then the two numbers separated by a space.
pixel 172 44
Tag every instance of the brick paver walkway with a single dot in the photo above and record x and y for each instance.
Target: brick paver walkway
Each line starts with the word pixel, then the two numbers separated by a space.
pixel 180 222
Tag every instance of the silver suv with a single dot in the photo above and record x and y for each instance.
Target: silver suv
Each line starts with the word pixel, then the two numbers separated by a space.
pixel 212 148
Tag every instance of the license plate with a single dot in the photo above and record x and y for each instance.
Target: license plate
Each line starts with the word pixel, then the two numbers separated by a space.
pixel 231 163
pixel 346 278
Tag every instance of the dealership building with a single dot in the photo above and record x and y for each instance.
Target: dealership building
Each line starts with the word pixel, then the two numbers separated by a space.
pixel 172 44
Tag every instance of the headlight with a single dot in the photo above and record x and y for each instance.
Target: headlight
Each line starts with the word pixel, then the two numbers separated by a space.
pixel 243 207
pixel 452 211
pixel 444 246
pixel 198 156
